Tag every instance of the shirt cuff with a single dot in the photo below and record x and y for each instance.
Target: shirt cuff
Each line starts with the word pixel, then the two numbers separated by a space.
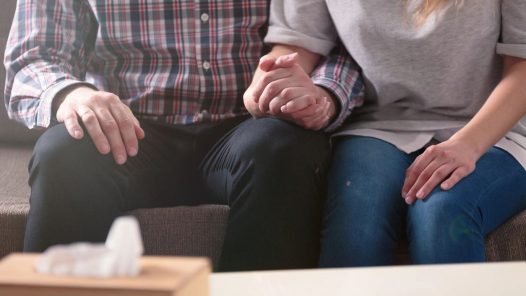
pixel 45 116
pixel 279 35
pixel 514 50
pixel 341 94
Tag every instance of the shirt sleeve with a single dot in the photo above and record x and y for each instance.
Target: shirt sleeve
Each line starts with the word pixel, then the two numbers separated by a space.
pixel 513 31
pixel 303 23
pixel 340 75
pixel 46 52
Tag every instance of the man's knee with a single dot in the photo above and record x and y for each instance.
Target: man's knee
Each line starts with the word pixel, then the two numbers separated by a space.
pixel 274 141
pixel 56 150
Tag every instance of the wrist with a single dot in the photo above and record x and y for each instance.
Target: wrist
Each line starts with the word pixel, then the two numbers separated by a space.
pixel 470 142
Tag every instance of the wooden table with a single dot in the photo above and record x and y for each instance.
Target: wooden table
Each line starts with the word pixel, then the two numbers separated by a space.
pixel 485 279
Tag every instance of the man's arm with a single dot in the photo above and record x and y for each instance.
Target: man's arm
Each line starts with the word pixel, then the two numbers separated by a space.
pixel 46 59
pixel 340 76
pixel 47 52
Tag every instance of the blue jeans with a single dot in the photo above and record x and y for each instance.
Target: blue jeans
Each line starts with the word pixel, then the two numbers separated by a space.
pixel 366 216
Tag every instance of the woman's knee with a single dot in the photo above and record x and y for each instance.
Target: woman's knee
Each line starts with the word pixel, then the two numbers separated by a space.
pixel 441 223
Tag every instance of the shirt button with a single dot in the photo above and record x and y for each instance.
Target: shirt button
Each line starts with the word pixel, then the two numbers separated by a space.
pixel 205 17
pixel 206 65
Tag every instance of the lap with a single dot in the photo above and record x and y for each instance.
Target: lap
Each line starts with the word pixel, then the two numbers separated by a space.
pixel 495 191
pixel 368 169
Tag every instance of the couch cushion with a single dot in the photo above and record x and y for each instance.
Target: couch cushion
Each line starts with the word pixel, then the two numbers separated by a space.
pixel 14 193
pixel 508 242
pixel 10 131
pixel 184 231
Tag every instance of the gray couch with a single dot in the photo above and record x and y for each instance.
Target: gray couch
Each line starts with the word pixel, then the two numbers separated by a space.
pixel 196 231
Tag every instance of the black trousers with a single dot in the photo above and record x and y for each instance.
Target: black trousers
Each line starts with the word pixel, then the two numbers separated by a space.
pixel 271 174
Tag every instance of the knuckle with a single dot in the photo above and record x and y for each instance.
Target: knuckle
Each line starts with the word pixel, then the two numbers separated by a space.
pixel 287 94
pixel 425 175
pixel 274 108
pixel 89 118
pixel 445 154
pixel 431 149
pixel 440 174
pixel 126 123
pixel 93 99
pixel 111 98
pixel 272 88
pixel 470 168
pixel 266 79
pixel 108 125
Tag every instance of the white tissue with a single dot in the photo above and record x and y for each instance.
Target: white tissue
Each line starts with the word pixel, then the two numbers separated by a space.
pixel 119 257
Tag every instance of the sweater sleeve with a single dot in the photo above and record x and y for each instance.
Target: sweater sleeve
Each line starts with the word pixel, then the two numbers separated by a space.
pixel 513 31
pixel 303 23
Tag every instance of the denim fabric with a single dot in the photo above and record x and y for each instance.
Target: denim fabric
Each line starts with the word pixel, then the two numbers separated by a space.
pixel 365 215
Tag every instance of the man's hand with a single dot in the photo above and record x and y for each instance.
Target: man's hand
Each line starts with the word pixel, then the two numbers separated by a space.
pixel 109 122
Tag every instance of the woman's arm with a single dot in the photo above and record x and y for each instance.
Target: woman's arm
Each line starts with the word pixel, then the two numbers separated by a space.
pixel 504 108
pixel 455 158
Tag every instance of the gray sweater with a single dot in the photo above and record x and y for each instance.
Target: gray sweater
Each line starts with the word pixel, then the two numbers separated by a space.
pixel 422 82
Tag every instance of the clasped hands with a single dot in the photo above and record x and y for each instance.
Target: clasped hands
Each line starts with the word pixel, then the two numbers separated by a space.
pixel 283 89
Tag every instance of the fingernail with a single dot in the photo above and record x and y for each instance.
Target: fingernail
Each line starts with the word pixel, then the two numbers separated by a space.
pixel 404 194
pixel 133 151
pixel 105 149
pixel 445 186
pixel 420 193
pixel 121 159
pixel 77 134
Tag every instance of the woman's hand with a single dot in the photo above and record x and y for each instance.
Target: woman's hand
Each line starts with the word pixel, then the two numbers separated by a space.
pixel 451 161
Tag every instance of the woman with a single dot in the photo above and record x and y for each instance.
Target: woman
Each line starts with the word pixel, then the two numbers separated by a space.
pixel 439 147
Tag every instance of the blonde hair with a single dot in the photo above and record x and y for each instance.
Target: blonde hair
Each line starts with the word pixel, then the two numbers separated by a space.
pixel 428 7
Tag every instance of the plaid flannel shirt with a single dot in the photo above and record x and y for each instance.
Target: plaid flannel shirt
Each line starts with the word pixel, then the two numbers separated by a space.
pixel 176 62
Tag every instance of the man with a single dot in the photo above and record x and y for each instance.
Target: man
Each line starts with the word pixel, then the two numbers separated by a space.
pixel 143 105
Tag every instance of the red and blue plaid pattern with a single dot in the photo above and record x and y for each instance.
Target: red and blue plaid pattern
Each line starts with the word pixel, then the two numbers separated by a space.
pixel 177 62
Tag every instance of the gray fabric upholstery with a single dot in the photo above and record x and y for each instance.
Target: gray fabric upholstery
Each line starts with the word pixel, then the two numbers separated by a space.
pixel 184 231
pixel 14 193
pixel 508 242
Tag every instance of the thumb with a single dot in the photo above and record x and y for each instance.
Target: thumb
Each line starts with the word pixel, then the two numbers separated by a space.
pixel 287 61
pixel 266 63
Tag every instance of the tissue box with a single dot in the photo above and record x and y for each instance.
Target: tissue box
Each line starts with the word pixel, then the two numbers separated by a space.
pixel 160 276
